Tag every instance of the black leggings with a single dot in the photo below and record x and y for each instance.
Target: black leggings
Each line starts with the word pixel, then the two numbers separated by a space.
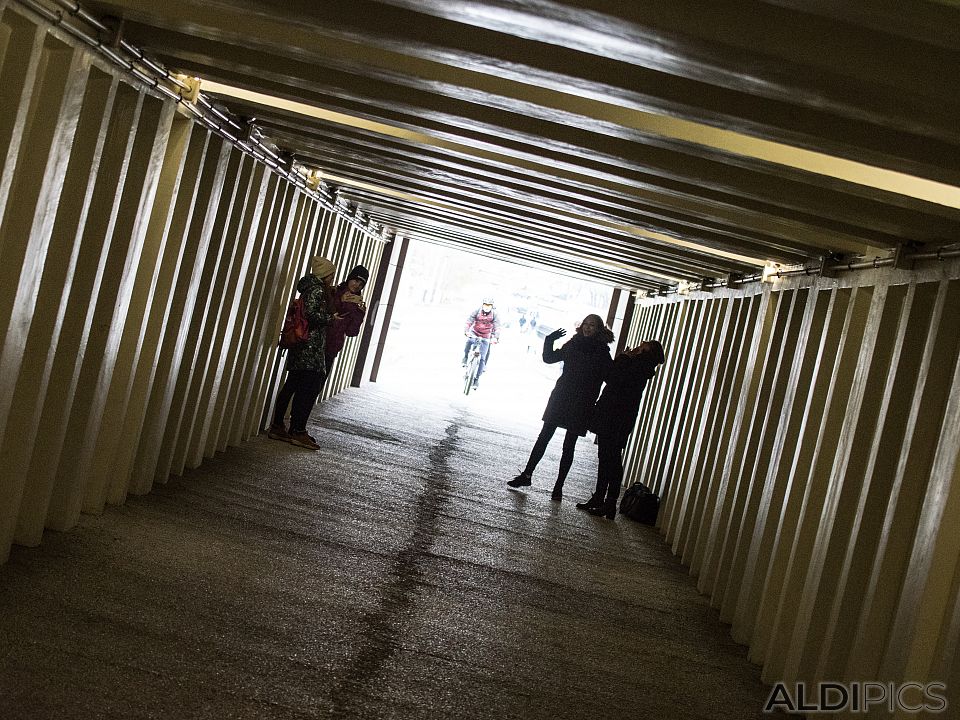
pixel 303 386
pixel 609 468
pixel 540 447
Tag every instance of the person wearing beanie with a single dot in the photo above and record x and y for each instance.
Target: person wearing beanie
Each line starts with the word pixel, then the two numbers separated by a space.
pixel 322 268
pixel 348 313
pixel 613 419
pixel 306 364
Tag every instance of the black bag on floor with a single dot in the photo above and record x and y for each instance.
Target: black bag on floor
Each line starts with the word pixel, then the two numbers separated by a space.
pixel 640 504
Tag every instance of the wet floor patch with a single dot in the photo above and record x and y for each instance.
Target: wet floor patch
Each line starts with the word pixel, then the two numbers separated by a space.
pixel 355 429
pixel 383 627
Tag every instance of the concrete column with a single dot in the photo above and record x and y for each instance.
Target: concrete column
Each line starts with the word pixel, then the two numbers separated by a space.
pixel 275 285
pixel 612 310
pixel 842 371
pixel 890 445
pixel 266 274
pixel 154 292
pixel 150 463
pixel 924 634
pixel 30 195
pixel 203 319
pixel 372 260
pixel 797 362
pixel 46 393
pixel 115 431
pixel 116 274
pixel 220 310
pixel 687 448
pixel 88 252
pixel 33 189
pixel 822 352
pixel 641 456
pixel 682 381
pixel 254 305
pixel 374 296
pixel 734 350
pixel 244 277
pixel 853 455
pixel 626 322
pixel 771 317
pixel 23 48
pixel 384 312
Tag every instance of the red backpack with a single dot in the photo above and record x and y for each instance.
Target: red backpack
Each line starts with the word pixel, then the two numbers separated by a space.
pixel 295 327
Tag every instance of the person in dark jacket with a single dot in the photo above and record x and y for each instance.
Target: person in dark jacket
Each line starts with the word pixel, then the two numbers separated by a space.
pixel 614 416
pixel 586 361
pixel 348 313
pixel 306 363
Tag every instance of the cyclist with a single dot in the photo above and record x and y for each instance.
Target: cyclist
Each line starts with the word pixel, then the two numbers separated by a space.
pixel 483 324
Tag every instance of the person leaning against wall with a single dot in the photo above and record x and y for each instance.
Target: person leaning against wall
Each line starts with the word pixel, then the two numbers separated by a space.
pixel 348 313
pixel 586 361
pixel 306 363
pixel 614 416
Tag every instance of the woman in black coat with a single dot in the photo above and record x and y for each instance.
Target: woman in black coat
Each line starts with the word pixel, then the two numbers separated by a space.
pixel 614 417
pixel 586 360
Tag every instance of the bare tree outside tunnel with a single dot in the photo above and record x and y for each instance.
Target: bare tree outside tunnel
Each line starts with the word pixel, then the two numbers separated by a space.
pixel 441 287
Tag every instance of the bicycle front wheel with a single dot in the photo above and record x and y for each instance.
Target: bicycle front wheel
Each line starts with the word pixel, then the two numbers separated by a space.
pixel 471 375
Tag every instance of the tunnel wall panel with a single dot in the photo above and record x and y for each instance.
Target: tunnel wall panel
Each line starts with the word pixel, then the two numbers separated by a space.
pixel 145 269
pixel 803 437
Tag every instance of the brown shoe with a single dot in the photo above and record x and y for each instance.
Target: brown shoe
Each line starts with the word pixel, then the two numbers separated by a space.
pixel 278 432
pixel 303 440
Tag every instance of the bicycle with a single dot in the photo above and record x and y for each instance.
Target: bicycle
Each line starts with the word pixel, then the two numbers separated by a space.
pixel 473 363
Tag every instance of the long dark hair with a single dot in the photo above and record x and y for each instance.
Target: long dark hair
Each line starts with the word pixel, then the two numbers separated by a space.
pixel 604 334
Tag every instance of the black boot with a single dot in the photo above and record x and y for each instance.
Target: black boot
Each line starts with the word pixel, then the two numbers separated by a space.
pixel 608 509
pixel 557 493
pixel 594 502
pixel 521 480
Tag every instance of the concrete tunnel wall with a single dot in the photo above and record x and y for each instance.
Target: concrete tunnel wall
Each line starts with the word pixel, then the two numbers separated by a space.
pixel 145 268
pixel 805 439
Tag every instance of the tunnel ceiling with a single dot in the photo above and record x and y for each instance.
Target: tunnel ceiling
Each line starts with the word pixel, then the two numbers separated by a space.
pixel 643 143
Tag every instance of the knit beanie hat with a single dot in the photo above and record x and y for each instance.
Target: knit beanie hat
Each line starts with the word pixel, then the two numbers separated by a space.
pixel 321 267
pixel 359 273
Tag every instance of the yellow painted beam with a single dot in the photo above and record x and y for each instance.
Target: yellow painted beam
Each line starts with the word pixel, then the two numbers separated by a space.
pixel 695 133
pixel 425 139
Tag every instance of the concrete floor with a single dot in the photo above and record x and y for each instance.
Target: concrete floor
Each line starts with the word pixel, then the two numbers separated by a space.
pixel 389 575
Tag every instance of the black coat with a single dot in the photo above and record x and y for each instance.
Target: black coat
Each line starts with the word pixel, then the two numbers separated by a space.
pixel 586 362
pixel 616 411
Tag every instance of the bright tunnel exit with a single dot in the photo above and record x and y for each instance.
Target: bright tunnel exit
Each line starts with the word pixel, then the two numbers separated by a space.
pixel 440 289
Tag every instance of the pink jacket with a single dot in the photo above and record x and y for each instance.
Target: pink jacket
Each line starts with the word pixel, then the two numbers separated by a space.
pixel 349 326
